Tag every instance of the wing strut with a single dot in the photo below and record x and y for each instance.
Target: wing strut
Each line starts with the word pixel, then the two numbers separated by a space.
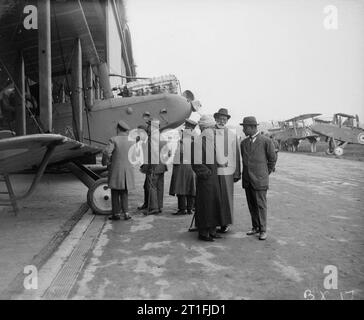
pixel 37 177
pixel 10 193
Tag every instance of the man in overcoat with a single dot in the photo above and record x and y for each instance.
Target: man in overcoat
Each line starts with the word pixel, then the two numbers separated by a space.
pixel 228 168
pixel 120 170
pixel 208 194
pixel 183 181
pixel 259 160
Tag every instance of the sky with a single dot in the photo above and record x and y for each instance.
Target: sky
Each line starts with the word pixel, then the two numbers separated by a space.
pixel 273 59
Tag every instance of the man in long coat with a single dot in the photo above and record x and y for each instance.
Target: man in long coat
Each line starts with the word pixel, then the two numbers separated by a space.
pixel 259 160
pixel 183 181
pixel 208 194
pixel 120 170
pixel 228 172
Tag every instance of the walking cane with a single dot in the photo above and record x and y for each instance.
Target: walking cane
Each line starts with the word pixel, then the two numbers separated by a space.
pixel 192 229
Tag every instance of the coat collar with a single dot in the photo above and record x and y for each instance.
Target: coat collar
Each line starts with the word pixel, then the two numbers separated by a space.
pixel 257 141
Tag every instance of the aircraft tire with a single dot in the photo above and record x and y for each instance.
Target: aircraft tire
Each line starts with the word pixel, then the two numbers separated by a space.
pixel 328 151
pixel 99 197
pixel 361 138
pixel 338 151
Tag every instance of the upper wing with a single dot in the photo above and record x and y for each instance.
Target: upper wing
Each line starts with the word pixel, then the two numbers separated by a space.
pixel 345 115
pixel 26 152
pixel 304 117
pixel 274 129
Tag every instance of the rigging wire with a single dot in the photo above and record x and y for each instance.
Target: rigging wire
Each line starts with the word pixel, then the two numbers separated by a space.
pixel 74 122
pixel 86 106
pixel 31 114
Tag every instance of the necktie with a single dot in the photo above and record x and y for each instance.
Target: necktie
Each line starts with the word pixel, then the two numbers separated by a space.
pixel 250 143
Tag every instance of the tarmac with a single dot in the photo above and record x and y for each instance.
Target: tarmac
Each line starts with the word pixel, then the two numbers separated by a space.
pixel 44 219
pixel 315 224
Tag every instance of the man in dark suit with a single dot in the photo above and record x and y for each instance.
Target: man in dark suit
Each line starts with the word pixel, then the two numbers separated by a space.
pixel 144 129
pixel 259 160
pixel 154 171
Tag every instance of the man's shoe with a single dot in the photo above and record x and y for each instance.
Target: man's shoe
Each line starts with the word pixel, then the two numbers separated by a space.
pixel 127 216
pixel 189 212
pixel 205 238
pixel 262 236
pixel 155 211
pixel 179 212
pixel 114 217
pixel 215 236
pixel 142 207
pixel 223 229
pixel 252 231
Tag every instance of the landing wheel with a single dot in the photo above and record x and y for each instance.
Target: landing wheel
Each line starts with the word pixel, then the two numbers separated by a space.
pixel 99 197
pixel 338 151
pixel 328 151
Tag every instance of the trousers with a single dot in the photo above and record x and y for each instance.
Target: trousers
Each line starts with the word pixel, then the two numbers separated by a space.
pixel 146 191
pixel 155 187
pixel 119 201
pixel 185 202
pixel 257 203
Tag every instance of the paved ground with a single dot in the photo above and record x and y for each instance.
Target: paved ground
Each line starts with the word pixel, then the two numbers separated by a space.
pixel 315 219
pixel 41 216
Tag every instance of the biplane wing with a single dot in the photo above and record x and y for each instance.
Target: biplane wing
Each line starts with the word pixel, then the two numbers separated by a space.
pixel 274 129
pixel 303 117
pixel 345 115
pixel 32 151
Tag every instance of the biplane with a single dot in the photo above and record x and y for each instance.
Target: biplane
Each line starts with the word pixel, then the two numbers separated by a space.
pixel 67 76
pixel 290 132
pixel 344 129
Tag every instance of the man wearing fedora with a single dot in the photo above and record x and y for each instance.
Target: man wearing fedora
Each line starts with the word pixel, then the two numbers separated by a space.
pixel 259 160
pixel 120 170
pixel 228 170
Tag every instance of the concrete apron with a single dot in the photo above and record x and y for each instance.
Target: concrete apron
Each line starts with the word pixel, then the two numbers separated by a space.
pixel 315 220
pixel 58 275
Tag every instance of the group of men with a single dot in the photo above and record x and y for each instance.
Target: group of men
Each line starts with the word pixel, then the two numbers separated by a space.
pixel 204 180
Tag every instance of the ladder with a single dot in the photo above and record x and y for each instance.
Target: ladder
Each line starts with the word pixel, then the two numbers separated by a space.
pixel 5 180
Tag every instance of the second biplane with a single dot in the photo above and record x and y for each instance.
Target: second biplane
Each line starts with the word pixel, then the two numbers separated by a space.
pixel 290 132
pixel 344 129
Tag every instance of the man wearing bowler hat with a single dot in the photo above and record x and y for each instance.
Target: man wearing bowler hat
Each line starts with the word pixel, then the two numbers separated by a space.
pixel 228 158
pixel 259 160
pixel 121 172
